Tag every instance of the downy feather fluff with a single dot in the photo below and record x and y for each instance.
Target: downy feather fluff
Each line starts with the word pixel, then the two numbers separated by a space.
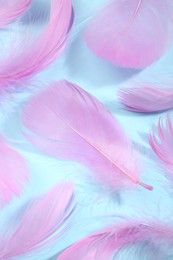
pixel 161 142
pixel 44 220
pixel 10 10
pixel 111 242
pixel 14 173
pixel 35 57
pixel 67 122
pixel 131 33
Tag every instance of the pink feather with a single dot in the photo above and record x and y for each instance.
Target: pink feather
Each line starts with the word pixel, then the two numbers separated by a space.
pixel 41 53
pixel 146 99
pixel 14 173
pixel 44 220
pixel 67 122
pixel 131 33
pixel 10 10
pixel 107 245
pixel 162 143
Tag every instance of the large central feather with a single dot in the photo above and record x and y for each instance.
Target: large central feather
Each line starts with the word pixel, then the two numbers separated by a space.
pixel 71 124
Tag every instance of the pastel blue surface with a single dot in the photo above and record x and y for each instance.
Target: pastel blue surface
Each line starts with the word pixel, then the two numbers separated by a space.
pixel 95 207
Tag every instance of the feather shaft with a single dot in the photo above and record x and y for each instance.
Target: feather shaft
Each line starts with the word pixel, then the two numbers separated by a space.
pixel 61 132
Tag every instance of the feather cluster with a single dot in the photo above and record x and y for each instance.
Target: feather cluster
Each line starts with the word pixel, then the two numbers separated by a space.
pixel 68 123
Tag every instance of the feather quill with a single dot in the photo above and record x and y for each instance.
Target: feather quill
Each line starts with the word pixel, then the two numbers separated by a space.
pixel 10 10
pixel 14 173
pixel 131 33
pixel 161 142
pixel 107 245
pixel 44 220
pixel 67 122
pixel 37 56
pixel 146 99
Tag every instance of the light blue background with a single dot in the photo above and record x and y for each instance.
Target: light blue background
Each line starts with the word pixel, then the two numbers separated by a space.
pixel 100 78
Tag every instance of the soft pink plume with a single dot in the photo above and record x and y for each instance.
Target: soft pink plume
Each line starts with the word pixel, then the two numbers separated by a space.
pixel 131 33
pixel 44 220
pixel 146 99
pixel 31 59
pixel 14 173
pixel 10 10
pixel 161 142
pixel 67 122
pixel 112 241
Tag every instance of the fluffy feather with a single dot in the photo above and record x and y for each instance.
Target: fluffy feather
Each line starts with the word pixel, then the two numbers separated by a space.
pixel 146 99
pixel 14 173
pixel 162 143
pixel 67 122
pixel 44 220
pixel 107 245
pixel 131 33
pixel 10 10
pixel 35 57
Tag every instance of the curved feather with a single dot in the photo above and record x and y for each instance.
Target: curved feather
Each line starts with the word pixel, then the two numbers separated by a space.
pixel 14 173
pixel 146 99
pixel 131 33
pixel 161 142
pixel 67 122
pixel 35 57
pixel 44 220
pixel 107 245
pixel 10 10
